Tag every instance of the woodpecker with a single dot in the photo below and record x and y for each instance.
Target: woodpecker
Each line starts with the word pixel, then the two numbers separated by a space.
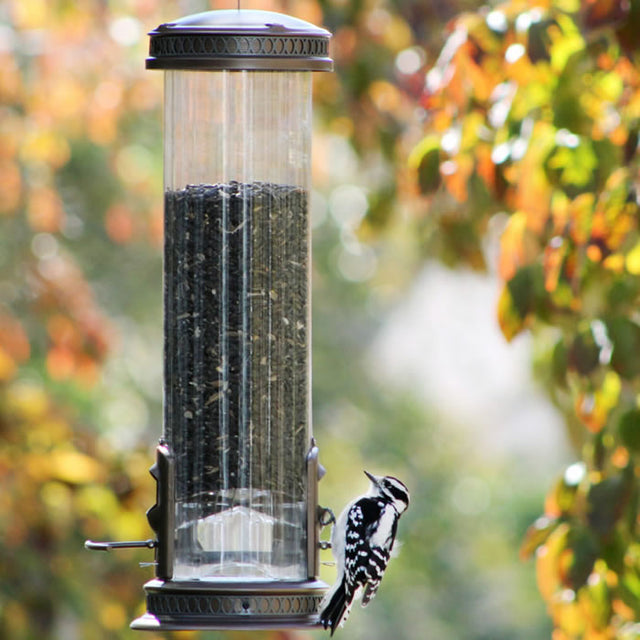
pixel 361 541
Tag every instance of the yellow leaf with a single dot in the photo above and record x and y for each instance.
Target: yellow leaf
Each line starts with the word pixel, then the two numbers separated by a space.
pixel 44 146
pixel 113 616
pixel 397 34
pixel 614 263
pixel 608 86
pixel 632 261
pixel 610 392
pixel 385 96
pixel 559 211
pixel 426 145
pixel 97 500
pixel 566 40
pixel 27 402
pixel 57 500
pixel 130 525
pixel 31 14
pixel 567 614
pixel 74 467
pixel 594 601
pixel 548 562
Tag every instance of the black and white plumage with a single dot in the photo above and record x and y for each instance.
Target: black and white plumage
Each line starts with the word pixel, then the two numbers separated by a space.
pixel 361 541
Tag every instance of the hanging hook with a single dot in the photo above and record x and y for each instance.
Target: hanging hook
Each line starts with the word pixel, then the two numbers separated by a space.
pixel 326 516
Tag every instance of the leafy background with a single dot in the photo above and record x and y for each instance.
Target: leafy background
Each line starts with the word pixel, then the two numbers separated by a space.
pixel 501 139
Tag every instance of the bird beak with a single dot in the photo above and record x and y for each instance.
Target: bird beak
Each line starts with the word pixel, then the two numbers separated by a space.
pixel 373 478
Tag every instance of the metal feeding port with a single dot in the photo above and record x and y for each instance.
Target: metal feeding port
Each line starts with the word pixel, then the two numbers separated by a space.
pixel 236 519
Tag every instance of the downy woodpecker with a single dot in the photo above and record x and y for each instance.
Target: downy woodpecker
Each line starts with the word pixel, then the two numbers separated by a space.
pixel 361 541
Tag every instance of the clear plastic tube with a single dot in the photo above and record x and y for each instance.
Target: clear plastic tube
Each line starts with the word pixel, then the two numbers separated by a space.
pixel 237 326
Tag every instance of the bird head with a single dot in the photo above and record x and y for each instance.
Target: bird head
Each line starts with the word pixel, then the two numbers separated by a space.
pixel 390 488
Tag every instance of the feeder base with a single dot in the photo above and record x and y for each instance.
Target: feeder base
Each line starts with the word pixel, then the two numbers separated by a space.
pixel 231 605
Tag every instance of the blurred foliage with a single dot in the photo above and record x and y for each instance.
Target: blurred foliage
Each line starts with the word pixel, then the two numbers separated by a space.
pixel 532 113
pixel 81 227
pixel 80 310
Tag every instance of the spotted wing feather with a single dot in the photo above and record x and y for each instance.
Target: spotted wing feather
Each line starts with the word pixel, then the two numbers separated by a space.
pixel 368 547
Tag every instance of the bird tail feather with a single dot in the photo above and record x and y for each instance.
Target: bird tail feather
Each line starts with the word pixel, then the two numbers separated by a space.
pixel 337 608
pixel 370 591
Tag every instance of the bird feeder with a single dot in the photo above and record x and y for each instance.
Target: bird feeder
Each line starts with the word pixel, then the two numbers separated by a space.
pixel 236 517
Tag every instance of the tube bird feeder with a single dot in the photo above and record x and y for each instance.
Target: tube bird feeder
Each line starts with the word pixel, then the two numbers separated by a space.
pixel 236 518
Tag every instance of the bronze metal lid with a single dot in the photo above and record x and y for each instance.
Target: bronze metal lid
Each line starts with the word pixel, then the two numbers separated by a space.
pixel 240 40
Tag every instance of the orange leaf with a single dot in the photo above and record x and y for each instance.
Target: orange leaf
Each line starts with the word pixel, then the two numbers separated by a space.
pixel 580 216
pixel 44 210
pixel 7 366
pixel 63 331
pixel 60 363
pixel 485 167
pixel 119 224
pixel 553 260
pixel 590 411
pixel 86 370
pixel 594 253
pixel 13 338
pixel 11 191
pixel 455 175
pixel 599 13
pixel 622 225
pixel 515 246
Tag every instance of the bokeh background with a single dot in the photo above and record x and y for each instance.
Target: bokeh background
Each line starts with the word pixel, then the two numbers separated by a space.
pixel 475 283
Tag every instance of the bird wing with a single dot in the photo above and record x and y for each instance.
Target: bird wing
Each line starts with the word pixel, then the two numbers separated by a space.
pixel 368 546
pixel 382 540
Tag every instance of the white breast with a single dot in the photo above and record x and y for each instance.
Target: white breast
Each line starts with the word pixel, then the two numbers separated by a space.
pixel 382 535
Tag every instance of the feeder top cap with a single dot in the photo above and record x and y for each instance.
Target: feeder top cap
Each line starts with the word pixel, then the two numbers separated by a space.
pixel 239 39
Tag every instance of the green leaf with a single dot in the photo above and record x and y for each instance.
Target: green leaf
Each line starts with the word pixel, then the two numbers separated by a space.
pixel 574 166
pixel 625 336
pixel 607 501
pixel 425 158
pixel 509 318
pixel 584 553
pixel 584 353
pixel 526 288
pixel 629 429
pixel 539 40
pixel 564 47
pixel 520 299
pixel 560 363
